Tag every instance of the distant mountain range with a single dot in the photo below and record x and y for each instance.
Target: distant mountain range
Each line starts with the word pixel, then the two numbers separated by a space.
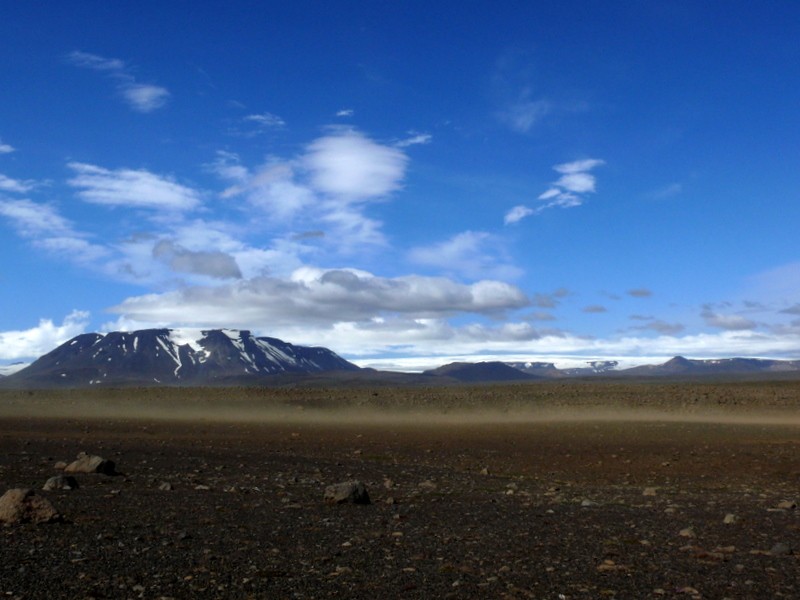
pixel 676 368
pixel 236 357
pixel 173 356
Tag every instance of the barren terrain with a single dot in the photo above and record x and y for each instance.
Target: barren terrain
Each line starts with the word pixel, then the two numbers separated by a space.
pixel 555 490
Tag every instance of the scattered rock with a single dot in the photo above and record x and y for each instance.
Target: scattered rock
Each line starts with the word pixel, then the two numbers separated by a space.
pixel 60 465
pixel 780 549
pixel 60 482
pixel 88 463
pixel 24 506
pixel 166 486
pixel 787 504
pixel 348 492
pixel 688 532
pixel 649 491
pixel 730 519
pixel 610 566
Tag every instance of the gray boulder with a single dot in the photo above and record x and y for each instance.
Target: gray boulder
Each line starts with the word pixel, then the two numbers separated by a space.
pixel 60 482
pixel 88 463
pixel 24 506
pixel 348 492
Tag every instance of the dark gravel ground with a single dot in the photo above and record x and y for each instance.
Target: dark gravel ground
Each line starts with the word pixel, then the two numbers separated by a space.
pixel 555 510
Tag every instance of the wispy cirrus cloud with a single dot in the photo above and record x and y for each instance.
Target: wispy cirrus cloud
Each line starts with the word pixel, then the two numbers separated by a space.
pixel 567 191
pixel 7 184
pixel 525 113
pixel 141 97
pixel 48 230
pixel 414 138
pixel 668 191
pixel 257 124
pixel 131 188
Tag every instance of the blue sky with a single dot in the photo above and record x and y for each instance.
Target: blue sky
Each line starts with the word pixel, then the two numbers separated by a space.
pixel 406 184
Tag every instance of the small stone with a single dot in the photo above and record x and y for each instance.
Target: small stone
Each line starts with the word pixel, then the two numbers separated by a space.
pixel 166 486
pixel 688 532
pixel 787 504
pixel 730 519
pixel 587 503
pixel 60 482
pixel 780 549
pixel 60 465
pixel 649 491
pixel 484 471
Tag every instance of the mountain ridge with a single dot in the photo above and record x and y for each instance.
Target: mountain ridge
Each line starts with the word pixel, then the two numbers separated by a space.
pixel 203 357
pixel 173 356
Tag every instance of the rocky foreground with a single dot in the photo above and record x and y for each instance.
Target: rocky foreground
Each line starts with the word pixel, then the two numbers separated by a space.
pixel 540 509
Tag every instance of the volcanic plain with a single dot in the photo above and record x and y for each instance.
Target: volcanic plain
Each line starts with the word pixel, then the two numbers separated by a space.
pixel 555 490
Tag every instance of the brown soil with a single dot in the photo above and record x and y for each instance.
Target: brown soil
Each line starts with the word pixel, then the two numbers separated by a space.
pixel 583 492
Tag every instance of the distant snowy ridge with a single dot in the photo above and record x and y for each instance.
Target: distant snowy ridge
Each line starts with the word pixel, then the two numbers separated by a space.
pixel 175 356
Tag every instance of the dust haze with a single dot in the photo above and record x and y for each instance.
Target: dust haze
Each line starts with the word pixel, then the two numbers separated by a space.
pixel 738 402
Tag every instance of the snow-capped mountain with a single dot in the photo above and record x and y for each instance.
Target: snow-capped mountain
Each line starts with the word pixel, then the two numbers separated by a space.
pixel 174 356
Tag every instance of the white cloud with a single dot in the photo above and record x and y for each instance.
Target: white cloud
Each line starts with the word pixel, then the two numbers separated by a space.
pixel 6 148
pixel 93 61
pixel 36 341
pixel 352 167
pixel 273 188
pixel 14 185
pixel 525 114
pixel 567 192
pixel 579 166
pixel 143 97
pixel 668 191
pixel 317 299
pixel 132 188
pixel 727 322
pixel 47 229
pixel 215 264
pixel 516 214
pixel 475 254
pixel 228 166
pixel 266 120
pixel 579 183
pixel 414 139
pixel 345 112
pixel 351 228
pixel 32 219
pixel 327 188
